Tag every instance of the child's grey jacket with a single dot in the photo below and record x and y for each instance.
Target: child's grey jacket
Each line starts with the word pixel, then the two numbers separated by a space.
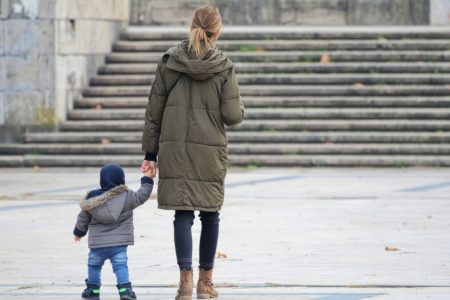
pixel 109 217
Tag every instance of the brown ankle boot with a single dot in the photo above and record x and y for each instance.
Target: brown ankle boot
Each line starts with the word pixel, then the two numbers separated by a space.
pixel 186 285
pixel 205 288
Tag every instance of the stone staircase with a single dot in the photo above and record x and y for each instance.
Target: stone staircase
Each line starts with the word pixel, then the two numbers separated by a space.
pixel 314 97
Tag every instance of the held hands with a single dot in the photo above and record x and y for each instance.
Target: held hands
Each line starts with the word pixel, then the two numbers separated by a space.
pixel 149 168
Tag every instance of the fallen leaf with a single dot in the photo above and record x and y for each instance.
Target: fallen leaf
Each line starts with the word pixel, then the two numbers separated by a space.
pixel 36 168
pixel 325 59
pixel 390 248
pixel 358 85
pixel 105 141
pixel 98 106
pixel 221 255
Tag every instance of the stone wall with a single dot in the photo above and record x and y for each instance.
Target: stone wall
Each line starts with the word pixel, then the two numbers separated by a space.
pixel 297 12
pixel 48 51
pixel 440 12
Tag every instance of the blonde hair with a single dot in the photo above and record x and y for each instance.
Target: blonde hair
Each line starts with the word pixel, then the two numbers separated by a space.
pixel 205 27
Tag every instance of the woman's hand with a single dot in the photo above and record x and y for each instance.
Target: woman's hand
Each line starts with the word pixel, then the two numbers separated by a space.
pixel 149 166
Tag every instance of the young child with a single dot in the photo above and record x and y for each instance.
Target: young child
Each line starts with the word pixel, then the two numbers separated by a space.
pixel 107 213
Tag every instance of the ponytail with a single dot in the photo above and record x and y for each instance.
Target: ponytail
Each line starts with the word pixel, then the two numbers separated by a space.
pixel 205 27
pixel 198 41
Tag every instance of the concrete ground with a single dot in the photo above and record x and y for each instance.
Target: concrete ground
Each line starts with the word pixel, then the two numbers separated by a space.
pixel 286 233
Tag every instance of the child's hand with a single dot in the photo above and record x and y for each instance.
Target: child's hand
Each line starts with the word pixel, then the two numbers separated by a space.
pixel 151 171
pixel 76 238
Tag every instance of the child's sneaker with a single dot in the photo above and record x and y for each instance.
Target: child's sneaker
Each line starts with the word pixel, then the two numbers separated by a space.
pixel 126 291
pixel 92 292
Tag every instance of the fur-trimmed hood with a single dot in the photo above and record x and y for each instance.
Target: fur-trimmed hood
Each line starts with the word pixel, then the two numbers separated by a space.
pixel 107 207
pixel 90 203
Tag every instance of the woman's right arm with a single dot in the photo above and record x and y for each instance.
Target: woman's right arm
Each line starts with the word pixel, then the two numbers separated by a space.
pixel 153 116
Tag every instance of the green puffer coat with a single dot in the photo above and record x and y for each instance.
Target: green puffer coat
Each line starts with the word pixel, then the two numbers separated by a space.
pixel 190 102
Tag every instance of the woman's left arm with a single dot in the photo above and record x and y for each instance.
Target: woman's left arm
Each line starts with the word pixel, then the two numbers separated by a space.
pixel 231 106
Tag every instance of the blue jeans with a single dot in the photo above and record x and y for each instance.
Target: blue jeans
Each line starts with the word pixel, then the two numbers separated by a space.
pixel 117 256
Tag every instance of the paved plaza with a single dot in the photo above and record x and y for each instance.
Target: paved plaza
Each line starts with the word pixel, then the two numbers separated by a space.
pixel 322 234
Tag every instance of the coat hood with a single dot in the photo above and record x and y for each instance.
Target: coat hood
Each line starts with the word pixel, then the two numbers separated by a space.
pixel 106 207
pixel 182 59
pixel 111 175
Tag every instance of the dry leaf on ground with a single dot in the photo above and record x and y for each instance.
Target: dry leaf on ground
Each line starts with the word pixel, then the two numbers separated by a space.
pixel 358 85
pixel 105 141
pixel 390 248
pixel 325 59
pixel 221 255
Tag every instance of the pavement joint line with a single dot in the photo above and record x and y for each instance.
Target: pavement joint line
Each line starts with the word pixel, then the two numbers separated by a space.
pixel 254 181
pixel 229 185
pixel 323 296
pixel 37 205
pixel 425 188
pixel 74 188
pixel 54 203
pixel 244 286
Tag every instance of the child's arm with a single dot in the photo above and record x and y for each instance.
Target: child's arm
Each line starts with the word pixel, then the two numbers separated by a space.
pixel 134 199
pixel 82 225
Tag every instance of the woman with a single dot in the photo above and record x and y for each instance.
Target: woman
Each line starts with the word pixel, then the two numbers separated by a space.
pixel 195 93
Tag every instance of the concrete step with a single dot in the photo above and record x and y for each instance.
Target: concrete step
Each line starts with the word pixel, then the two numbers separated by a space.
pixel 297 56
pixel 233 149
pixel 283 113
pixel 298 79
pixel 152 33
pixel 286 101
pixel 295 67
pixel 340 160
pixel 278 125
pixel 294 45
pixel 293 90
pixel 252 137
pixel 236 160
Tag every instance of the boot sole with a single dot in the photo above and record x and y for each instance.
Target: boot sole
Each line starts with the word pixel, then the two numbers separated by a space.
pixel 184 298
pixel 205 296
